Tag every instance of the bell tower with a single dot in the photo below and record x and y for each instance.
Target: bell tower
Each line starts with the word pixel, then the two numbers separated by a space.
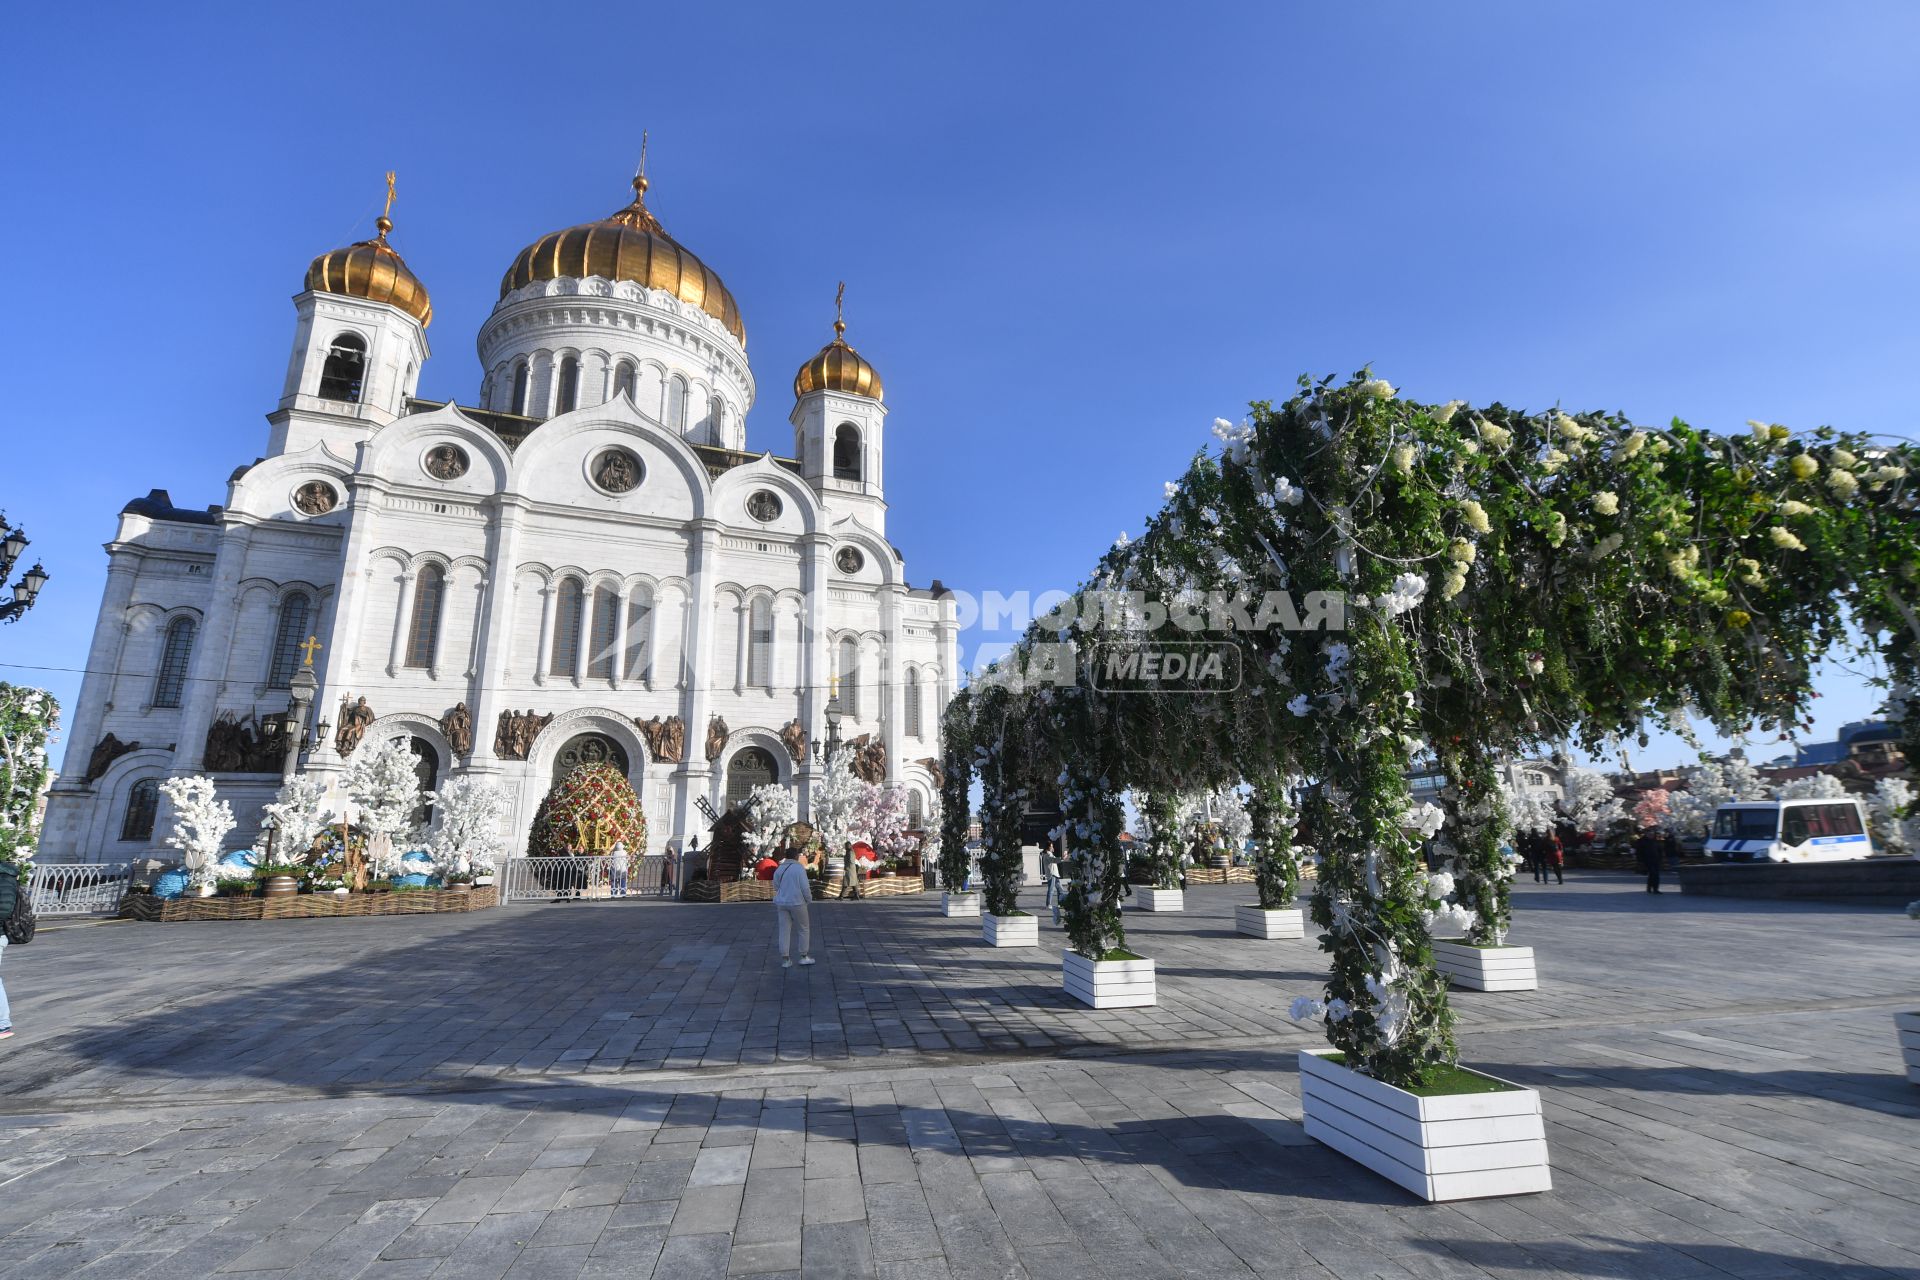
pixel 360 339
pixel 838 419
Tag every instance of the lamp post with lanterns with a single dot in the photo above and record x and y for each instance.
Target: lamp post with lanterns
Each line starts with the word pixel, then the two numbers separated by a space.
pixel 27 590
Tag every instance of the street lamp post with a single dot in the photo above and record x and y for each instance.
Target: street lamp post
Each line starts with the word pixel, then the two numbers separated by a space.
pixel 305 685
pixel 27 590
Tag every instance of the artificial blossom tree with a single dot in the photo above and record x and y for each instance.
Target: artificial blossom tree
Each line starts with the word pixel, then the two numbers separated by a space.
pixel 201 822
pixel 297 815
pixel 469 838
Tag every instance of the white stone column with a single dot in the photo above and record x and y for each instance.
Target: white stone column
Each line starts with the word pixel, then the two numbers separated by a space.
pixel 212 649
pixel 409 577
pixel 493 652
pixel 103 655
pixel 544 659
pixel 742 616
pixel 620 635
pixel 653 640
pixel 583 635
pixel 695 774
pixel 816 658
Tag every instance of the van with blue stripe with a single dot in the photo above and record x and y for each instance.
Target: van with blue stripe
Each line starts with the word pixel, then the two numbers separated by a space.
pixel 1824 830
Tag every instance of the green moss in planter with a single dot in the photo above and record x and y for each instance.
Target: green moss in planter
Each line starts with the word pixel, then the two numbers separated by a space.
pixel 1118 953
pixel 1444 1080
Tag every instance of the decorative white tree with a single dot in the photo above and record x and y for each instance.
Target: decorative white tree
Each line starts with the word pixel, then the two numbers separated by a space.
pixel 834 801
pixel 1815 786
pixel 200 825
pixel 1887 810
pixel 1532 811
pixel 880 818
pixel 1231 817
pixel 468 839
pixel 297 815
pixel 1710 785
pixel 382 780
pixel 1588 803
pixel 770 810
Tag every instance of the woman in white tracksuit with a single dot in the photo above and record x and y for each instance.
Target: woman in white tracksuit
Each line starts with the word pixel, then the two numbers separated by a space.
pixel 792 891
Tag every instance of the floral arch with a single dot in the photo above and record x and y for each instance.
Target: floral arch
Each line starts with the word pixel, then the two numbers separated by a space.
pixel 1389 579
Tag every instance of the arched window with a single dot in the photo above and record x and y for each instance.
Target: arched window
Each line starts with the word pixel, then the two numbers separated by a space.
pixel 850 677
pixel 175 654
pixel 429 600
pixel 716 419
pixel 566 628
pixel 606 633
pixel 677 403
pixel 760 643
pixel 520 388
pixel 846 452
pixel 916 812
pixel 639 622
pixel 567 399
pixel 912 696
pixel 292 629
pixel 623 380
pixel 750 767
pixel 345 371
pixel 142 802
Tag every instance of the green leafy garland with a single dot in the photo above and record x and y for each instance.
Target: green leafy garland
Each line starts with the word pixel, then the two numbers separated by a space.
pixel 956 739
pixel 1276 862
pixel 1161 809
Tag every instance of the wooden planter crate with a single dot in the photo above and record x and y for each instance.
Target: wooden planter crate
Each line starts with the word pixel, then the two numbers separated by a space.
pixel 1219 875
pixel 302 906
pixel 762 890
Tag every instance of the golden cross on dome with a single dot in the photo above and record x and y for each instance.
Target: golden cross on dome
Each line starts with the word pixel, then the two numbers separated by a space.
pixel 640 174
pixel 839 309
pixel 311 647
pixel 388 211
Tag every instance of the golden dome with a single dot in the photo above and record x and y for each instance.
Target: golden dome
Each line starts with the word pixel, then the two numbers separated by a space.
pixel 628 245
pixel 372 270
pixel 839 367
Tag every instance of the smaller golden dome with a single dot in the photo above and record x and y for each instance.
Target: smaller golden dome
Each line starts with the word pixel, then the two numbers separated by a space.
pixel 839 367
pixel 372 270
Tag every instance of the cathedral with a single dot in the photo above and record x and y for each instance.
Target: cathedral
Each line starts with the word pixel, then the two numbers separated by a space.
pixel 587 564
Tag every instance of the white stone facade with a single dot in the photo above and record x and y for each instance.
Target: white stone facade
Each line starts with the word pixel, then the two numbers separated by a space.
pixel 696 598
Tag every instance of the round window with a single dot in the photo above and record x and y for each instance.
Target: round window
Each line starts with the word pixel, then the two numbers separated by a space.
pixel 315 498
pixel 850 560
pixel 446 462
pixel 617 470
pixel 764 506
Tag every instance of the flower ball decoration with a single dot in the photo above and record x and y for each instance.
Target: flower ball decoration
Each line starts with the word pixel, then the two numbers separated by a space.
pixel 594 801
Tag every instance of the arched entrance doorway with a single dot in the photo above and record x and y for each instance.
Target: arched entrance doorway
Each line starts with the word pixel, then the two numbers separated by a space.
pixel 426 767
pixel 750 767
pixel 588 748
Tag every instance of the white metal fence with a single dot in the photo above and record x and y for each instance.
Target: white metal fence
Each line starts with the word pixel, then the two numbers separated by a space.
pixel 556 879
pixel 77 888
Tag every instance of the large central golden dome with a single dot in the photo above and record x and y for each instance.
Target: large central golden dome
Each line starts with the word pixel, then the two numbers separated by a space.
pixel 628 245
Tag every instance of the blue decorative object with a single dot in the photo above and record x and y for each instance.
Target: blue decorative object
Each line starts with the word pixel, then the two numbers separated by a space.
pixel 417 880
pixel 170 884
pixel 241 860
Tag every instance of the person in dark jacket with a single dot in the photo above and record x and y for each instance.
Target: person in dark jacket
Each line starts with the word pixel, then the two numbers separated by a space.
pixel 9 895
pixel 1651 849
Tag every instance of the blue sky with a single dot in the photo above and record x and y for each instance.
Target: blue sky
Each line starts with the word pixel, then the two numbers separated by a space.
pixel 1072 234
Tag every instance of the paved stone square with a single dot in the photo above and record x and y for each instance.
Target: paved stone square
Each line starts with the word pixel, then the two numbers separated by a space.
pixel 639 1089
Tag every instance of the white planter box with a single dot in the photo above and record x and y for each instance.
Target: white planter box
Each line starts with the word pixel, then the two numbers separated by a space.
pixel 959 904
pixel 1108 984
pixel 1275 922
pixel 1457 1147
pixel 1486 968
pixel 1908 1026
pixel 1010 931
pixel 1160 899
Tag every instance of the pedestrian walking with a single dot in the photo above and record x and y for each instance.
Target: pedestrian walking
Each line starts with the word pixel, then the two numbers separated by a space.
pixel 792 891
pixel 850 880
pixel 1651 850
pixel 1531 851
pixel 1556 859
pixel 617 873
pixel 1050 867
pixel 16 919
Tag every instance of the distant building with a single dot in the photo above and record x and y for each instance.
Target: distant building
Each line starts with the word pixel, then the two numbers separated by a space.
pixel 1864 752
